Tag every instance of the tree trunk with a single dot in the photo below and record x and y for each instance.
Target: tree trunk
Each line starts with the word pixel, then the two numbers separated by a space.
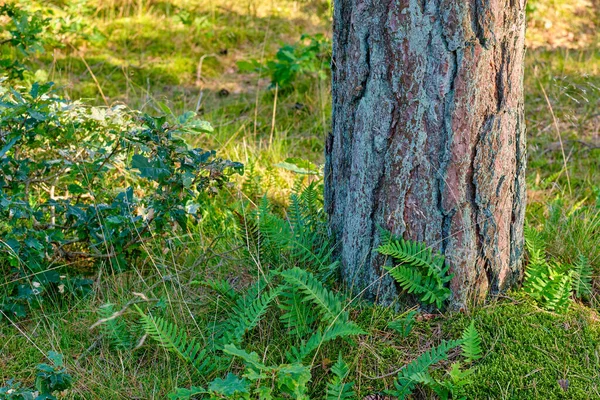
pixel 428 138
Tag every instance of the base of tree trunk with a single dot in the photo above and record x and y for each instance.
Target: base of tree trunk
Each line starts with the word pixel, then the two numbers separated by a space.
pixel 428 139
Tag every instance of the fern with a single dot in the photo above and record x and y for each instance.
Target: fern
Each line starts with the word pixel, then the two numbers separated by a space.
pixel 420 270
pixel 174 339
pixel 246 316
pixel 298 316
pixel 413 281
pixel 300 239
pixel 549 284
pixel 403 325
pixel 337 330
pixel 114 329
pixel 582 278
pixel 534 241
pixel 417 254
pixel 559 292
pixel 417 371
pixel 337 388
pixel 329 304
pixel 471 343
pixel 221 286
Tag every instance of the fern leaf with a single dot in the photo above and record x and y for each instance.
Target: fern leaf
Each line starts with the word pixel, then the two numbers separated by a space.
pixel 413 281
pixel 114 328
pixel 298 315
pixel 559 292
pixel 329 304
pixel 174 339
pixel 337 330
pixel 582 278
pixel 534 241
pixel 471 343
pixel 245 319
pixel 337 388
pixel 416 371
pixel 416 254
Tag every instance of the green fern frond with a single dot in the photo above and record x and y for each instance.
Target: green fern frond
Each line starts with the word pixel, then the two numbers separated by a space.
pixel 582 278
pixel 337 388
pixel 559 292
pixel 329 304
pixel 337 330
pixel 114 329
pixel 534 241
pixel 421 271
pixel 416 254
pixel 549 284
pixel 413 281
pixel 471 343
pixel 298 315
pixel 220 286
pixel 174 339
pixel 244 319
pixel 417 371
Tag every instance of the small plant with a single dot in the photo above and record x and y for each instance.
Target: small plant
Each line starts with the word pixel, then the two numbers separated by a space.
pixel 418 371
pixel 339 388
pixel 420 270
pixel 49 380
pixel 550 283
pixel 310 55
pixel 471 344
pixel 403 325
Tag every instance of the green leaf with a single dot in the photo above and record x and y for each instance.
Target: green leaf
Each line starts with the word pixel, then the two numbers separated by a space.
pixel 151 170
pixel 299 166
pixel 471 343
pixel 229 386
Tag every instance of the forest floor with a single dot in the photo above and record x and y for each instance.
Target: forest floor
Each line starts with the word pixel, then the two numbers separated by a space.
pixel 186 55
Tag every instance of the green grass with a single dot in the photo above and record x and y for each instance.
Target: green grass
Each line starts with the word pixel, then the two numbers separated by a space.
pixel 146 55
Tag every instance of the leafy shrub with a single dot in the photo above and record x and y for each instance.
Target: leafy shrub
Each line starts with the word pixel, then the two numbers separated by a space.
pixel 85 185
pixel 49 379
pixel 21 37
pixel 310 55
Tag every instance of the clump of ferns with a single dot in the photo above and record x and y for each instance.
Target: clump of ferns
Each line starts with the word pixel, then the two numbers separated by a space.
pixel 290 295
pixel 551 283
pixel 298 237
pixel 311 314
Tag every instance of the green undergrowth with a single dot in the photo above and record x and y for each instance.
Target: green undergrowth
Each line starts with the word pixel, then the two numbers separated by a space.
pixel 527 351
pixel 185 55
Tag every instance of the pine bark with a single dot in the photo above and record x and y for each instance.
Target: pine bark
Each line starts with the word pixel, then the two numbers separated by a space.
pixel 428 138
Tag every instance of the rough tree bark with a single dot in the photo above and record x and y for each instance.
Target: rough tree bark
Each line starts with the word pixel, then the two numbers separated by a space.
pixel 428 138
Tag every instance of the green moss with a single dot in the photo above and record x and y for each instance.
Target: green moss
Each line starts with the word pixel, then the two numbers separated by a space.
pixel 527 351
